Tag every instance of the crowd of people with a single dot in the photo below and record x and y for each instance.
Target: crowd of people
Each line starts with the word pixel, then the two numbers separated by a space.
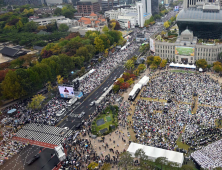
pixel 103 69
pixel 155 127
pixel 210 156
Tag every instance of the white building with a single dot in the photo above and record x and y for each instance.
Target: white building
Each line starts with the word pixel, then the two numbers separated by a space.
pixel 68 22
pixel 112 14
pixel 46 21
pixel 144 11
pixel 128 20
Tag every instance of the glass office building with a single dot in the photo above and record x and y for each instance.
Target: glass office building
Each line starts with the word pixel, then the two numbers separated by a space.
pixel 204 24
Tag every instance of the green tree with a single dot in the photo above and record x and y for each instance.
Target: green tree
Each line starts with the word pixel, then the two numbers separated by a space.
pixel 145 163
pixel 166 24
pixel 149 60
pixel 144 48
pixel 93 165
pixel 129 64
pixel 116 88
pixel 58 11
pixel 161 161
pixel 30 26
pixel 49 86
pixel 67 13
pixel 99 44
pixel 105 29
pixel 202 63
pixel 125 160
pixel 217 68
pixel 36 101
pixel 63 28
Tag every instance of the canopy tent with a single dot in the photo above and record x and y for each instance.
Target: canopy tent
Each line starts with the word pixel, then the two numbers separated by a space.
pixel 11 112
pixel 182 65
pixel 200 69
pixel 153 153
pixel 90 72
pixel 144 80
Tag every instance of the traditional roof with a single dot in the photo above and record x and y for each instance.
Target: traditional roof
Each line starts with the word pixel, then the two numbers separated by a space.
pixel 92 14
pixel 11 52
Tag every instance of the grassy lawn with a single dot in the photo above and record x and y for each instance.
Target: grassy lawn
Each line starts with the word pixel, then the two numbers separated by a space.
pixel 109 115
pixel 182 71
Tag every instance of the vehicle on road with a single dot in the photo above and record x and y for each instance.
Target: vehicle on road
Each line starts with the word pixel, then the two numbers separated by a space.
pixel 61 112
pixel 81 115
pixel 92 103
pixel 33 159
pixel 59 151
pixel 66 128
pixel 105 89
pixel 114 79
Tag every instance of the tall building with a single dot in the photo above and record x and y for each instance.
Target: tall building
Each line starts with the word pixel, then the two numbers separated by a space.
pixel 86 7
pixel 155 7
pixel 23 2
pixel 107 5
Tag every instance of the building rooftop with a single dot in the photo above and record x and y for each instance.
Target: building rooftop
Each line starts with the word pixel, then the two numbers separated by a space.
pixel 198 15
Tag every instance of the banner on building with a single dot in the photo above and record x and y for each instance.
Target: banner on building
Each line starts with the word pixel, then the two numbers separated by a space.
pixel 152 45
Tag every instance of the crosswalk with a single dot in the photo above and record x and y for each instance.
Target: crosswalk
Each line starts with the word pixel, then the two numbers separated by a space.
pixel 45 133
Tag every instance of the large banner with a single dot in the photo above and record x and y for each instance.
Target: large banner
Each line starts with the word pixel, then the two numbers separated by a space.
pixel 66 92
pixel 188 51
pixel 152 45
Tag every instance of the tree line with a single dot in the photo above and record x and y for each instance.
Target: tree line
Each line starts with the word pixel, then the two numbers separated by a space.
pixel 60 58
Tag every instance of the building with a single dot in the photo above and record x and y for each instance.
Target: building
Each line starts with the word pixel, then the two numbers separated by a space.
pixel 154 7
pixel 144 11
pixel 200 3
pixel 46 21
pixel 93 21
pixel 45 10
pixel 23 2
pixel 112 14
pixel 53 2
pixel 186 49
pixel 68 22
pixel 108 4
pixel 204 23
pixel 86 7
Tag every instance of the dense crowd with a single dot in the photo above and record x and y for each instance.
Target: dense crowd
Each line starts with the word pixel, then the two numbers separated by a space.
pixel 210 156
pixel 160 124
pixel 103 69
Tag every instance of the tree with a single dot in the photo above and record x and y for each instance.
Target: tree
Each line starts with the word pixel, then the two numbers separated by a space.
pixel 106 166
pixel 163 63
pixel 106 53
pixel 49 86
pixel 124 85
pixel 105 29
pixel 58 11
pixel 202 63
pixel 136 72
pixel 63 28
pixel 149 60
pixel 157 60
pixel 59 79
pixel 217 68
pixel 121 80
pixel 130 81
pixel 36 101
pixel 93 165
pixel 186 167
pixel 116 88
pixel 30 26
pixel 99 44
pixel 141 67
pixel 83 69
pixel 129 64
pixel 153 66
pixel 209 66
pixel 161 161
pixel 145 163
pixel 166 24
pixel 67 13
pixel 125 160
pixel 41 27
pixel 144 48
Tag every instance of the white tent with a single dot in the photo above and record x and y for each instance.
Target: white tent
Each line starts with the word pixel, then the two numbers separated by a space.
pixel 144 80
pixel 182 65
pixel 85 75
pixel 153 153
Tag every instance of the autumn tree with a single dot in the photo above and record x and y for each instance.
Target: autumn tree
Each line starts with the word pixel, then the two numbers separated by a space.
pixel 36 101
pixel 141 67
pixel 166 24
pixel 130 81
pixel 59 79
pixel 163 63
pixel 202 63
pixel 49 86
pixel 106 166
pixel 99 44
pixel 157 60
pixel 149 60
pixel 124 85
pixel 121 80
pixel 93 165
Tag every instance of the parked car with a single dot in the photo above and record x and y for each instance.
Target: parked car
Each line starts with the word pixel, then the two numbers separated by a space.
pixel 92 103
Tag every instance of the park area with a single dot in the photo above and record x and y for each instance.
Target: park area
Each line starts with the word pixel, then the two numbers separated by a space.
pixel 106 122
